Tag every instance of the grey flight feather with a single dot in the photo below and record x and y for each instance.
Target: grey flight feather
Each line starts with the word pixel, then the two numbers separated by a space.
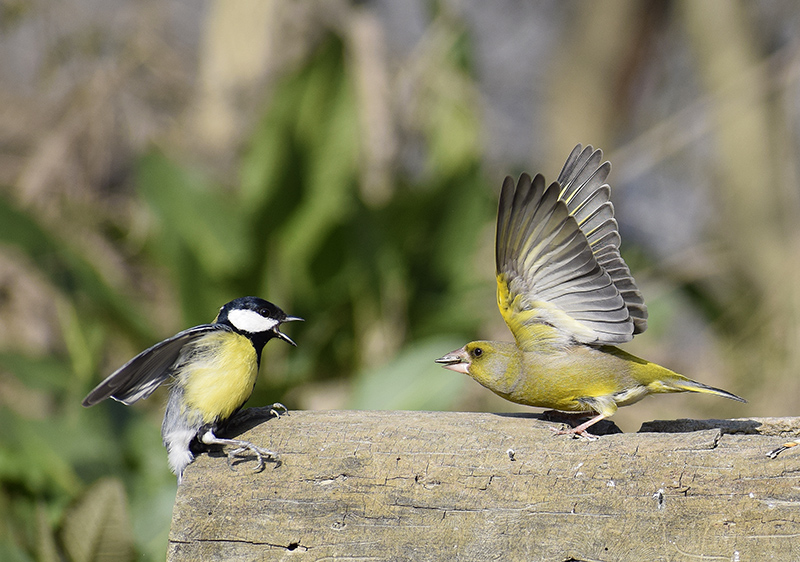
pixel 559 246
pixel 583 188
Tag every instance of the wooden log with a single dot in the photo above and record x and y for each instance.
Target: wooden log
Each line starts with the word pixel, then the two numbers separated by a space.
pixel 359 485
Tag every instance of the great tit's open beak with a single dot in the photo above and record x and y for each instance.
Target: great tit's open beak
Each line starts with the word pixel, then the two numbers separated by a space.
pixel 457 361
pixel 283 336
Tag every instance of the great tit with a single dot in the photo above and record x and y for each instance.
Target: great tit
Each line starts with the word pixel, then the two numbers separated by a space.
pixel 567 296
pixel 211 369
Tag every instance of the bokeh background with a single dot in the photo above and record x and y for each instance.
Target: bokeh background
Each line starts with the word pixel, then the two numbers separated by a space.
pixel 343 160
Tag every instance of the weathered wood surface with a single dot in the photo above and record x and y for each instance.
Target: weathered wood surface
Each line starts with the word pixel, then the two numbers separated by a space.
pixel 419 486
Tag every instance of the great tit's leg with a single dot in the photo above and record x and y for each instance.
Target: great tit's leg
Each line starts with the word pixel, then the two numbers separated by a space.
pixel 278 406
pixel 775 452
pixel 208 438
pixel 242 416
pixel 581 429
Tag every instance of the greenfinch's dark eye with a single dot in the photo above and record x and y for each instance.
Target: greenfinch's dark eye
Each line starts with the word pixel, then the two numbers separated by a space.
pixel 477 352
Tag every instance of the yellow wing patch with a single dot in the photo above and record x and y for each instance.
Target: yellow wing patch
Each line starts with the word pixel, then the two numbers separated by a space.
pixel 537 323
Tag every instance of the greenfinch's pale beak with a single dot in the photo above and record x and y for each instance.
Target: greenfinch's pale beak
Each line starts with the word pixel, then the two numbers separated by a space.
pixel 283 336
pixel 457 361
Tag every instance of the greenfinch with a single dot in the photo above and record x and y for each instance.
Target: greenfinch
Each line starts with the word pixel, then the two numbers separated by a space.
pixel 568 297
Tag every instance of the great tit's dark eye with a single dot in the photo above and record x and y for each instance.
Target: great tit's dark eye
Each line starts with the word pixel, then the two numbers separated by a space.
pixel 477 352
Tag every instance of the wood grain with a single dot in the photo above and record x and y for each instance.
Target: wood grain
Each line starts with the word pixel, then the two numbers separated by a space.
pixel 368 485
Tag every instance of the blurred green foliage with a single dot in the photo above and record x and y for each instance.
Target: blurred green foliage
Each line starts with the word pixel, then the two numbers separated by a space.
pixel 369 279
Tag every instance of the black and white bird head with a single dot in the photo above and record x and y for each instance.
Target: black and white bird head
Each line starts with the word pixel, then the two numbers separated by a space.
pixel 255 318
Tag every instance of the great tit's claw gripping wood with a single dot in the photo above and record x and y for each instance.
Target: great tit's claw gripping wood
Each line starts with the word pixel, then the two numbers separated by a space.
pixel 240 447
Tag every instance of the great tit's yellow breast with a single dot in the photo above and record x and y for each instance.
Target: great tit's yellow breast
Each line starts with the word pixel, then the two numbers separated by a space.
pixel 219 375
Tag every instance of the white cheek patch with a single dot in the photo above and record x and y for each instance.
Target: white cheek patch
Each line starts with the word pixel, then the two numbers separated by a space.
pixel 251 321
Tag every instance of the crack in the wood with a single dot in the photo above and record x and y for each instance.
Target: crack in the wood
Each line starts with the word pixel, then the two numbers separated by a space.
pixel 292 546
pixel 529 509
pixel 425 482
pixel 323 480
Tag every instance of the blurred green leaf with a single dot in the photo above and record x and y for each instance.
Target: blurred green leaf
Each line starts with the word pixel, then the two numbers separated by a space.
pixel 32 453
pixel 10 552
pixel 204 216
pixel 299 173
pixel 84 337
pixel 450 105
pixel 412 381
pixel 46 550
pixel 42 373
pixel 327 121
pixel 97 527
pixel 72 273
pixel 202 235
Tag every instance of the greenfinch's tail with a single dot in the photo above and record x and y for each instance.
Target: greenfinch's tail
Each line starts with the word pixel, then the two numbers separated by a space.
pixel 689 385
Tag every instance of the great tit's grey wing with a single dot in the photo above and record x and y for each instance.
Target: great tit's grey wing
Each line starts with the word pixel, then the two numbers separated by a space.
pixel 550 282
pixel 140 376
pixel 586 194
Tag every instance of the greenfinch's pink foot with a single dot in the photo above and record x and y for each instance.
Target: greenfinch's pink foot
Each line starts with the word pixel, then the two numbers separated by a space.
pixel 575 433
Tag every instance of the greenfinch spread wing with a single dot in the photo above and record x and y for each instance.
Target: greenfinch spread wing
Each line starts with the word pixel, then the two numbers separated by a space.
pixel 560 275
pixel 568 297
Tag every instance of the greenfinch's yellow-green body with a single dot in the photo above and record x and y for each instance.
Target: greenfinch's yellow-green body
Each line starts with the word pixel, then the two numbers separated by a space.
pixel 568 297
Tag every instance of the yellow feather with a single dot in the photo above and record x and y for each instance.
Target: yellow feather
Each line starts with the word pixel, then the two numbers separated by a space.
pixel 220 376
pixel 532 323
